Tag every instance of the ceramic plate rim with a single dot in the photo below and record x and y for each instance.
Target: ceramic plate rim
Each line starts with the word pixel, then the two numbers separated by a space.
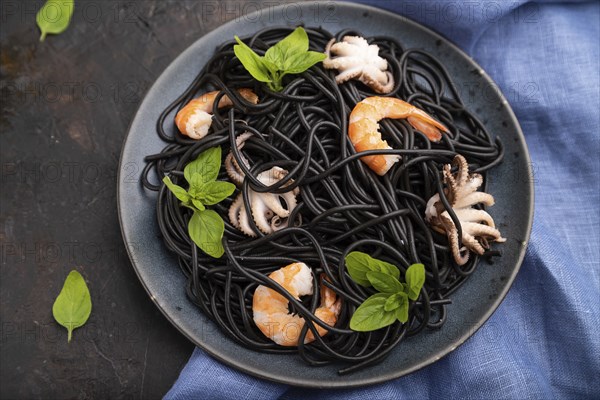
pixel 297 381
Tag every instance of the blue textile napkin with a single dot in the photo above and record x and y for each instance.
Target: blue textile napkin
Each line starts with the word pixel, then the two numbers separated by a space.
pixel 545 58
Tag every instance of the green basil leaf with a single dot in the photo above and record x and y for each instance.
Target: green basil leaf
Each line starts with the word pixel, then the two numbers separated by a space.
pixel 206 229
pixel 371 314
pixel 198 204
pixel 271 67
pixel 275 59
pixel 396 300
pixel 198 180
pixel 358 264
pixel 288 56
pixel 73 305
pixel 301 62
pixel 177 190
pixel 277 84
pixel 384 282
pixel 213 192
pixel 206 166
pixel 296 43
pixel 402 311
pixel 415 278
pixel 196 184
pixel 386 268
pixel 253 63
pixel 54 17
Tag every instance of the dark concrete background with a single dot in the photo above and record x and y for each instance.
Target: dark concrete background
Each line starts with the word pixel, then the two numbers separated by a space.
pixel 66 106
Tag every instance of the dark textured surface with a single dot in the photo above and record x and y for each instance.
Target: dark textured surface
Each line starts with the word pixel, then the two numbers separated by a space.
pixel 473 303
pixel 66 106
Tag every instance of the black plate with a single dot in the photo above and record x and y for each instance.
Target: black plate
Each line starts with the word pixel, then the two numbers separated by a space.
pixel 474 302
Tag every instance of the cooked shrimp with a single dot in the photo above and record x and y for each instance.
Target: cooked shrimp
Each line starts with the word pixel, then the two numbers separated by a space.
pixel 271 313
pixel 364 128
pixel 195 118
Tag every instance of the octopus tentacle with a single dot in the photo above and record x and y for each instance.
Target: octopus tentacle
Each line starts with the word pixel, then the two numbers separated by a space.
pixel 290 199
pixel 259 214
pixel 373 77
pixel 474 198
pixel 470 242
pixel 485 231
pixel 344 63
pixel 460 256
pixel 463 171
pixel 233 170
pixel 450 183
pixel 266 209
pixel 232 167
pixel 244 222
pixel 271 200
pixel 234 210
pixel 473 215
pixel 477 226
pixel 348 74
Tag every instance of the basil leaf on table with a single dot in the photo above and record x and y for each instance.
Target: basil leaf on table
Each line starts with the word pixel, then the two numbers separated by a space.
pixel 206 166
pixel 54 17
pixel 415 278
pixel 206 229
pixel 384 283
pixel 73 305
pixel 371 314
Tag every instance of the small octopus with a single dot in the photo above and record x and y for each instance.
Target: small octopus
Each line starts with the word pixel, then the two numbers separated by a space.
pixel 270 211
pixel 354 58
pixel 477 226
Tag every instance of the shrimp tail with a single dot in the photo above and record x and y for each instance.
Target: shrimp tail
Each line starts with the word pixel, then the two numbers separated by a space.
pixel 363 128
pixel 422 122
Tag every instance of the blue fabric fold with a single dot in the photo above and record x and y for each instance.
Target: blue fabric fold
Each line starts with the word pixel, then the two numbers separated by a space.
pixel 543 340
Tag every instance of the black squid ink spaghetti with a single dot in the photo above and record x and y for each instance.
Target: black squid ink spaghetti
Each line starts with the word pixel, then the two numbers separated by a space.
pixel 290 144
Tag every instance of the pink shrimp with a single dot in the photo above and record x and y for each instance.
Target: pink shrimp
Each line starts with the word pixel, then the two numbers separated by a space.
pixel 364 128
pixel 271 313
pixel 195 118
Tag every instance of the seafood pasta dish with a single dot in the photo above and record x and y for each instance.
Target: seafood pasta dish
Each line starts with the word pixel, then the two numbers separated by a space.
pixel 324 193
